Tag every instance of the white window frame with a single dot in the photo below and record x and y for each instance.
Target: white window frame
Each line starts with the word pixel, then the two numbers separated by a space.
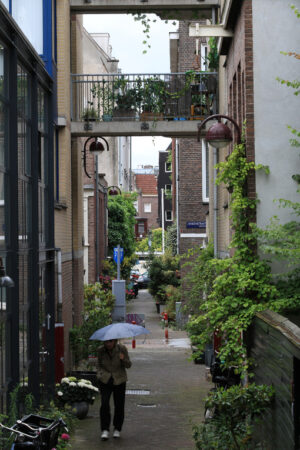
pixel 166 166
pixel 204 52
pixel 205 194
pixel 167 191
pixel 166 216
pixel 148 209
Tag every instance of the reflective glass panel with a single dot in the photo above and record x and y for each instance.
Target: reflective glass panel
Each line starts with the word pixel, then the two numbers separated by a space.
pixel 29 16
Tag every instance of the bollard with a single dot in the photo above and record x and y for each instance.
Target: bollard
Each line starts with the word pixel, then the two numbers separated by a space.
pixel 166 326
pixel 133 338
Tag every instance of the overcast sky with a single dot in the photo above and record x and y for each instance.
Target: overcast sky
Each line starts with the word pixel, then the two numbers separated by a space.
pixel 126 38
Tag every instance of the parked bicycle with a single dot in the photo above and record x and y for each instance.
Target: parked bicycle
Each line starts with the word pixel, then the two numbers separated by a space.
pixel 222 377
pixel 35 432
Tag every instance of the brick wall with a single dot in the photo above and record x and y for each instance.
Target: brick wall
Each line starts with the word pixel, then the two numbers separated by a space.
pixel 191 207
pixel 69 211
pixel 240 106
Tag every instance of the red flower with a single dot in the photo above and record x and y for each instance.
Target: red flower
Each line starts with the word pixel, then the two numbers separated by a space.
pixel 65 436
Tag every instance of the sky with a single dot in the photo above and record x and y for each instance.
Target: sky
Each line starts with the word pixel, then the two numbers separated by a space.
pixel 126 38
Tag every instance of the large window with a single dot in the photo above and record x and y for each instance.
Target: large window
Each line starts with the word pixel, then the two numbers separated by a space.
pixel 29 16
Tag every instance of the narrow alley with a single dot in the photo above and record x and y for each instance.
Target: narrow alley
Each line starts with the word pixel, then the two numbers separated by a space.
pixel 165 391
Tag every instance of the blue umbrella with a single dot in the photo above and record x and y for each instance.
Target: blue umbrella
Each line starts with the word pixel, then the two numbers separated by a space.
pixel 118 331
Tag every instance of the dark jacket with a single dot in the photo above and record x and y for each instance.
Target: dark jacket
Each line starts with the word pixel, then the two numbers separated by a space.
pixel 110 365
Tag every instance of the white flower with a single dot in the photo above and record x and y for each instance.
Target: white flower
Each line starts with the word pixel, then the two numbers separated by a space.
pixel 65 380
pixel 60 393
pixel 72 383
pixel 85 381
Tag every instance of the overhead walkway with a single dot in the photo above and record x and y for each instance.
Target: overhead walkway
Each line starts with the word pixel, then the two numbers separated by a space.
pixel 168 105
pixel 166 9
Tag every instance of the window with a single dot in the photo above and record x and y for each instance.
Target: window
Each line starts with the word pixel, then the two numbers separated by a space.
pixel 135 204
pixel 169 215
pixel 205 172
pixel 141 228
pixel 168 166
pixel 204 57
pixel 27 13
pixel 168 189
pixel 147 207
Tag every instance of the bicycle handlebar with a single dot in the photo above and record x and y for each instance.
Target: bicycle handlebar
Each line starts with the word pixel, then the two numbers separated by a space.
pixel 19 432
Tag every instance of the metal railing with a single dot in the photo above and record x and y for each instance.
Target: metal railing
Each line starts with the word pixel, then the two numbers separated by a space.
pixel 119 97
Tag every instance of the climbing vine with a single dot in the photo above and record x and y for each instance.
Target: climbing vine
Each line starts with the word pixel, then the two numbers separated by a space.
pixel 236 288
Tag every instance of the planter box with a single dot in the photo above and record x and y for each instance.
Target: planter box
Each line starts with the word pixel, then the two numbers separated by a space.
pixel 124 116
pixel 150 116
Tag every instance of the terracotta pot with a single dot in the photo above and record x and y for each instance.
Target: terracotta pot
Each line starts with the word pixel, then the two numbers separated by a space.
pixel 149 116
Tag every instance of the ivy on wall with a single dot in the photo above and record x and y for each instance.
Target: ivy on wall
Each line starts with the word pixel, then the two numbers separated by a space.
pixel 232 290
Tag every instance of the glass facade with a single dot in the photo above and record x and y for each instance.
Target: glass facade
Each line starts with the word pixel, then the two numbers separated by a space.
pixel 26 14
pixel 26 216
pixel 3 142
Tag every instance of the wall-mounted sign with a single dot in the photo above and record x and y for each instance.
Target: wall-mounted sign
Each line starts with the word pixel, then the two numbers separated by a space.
pixel 196 224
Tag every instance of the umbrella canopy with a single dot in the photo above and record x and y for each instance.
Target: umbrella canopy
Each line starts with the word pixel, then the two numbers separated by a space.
pixel 118 331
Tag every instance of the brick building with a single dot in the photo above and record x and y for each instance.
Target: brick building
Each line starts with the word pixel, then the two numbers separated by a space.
pixel 147 204
pixel 192 201
pixel 164 181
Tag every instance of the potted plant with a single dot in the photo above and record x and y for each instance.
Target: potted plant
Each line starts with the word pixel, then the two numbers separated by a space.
pixel 127 97
pixel 78 393
pixel 89 113
pixel 153 99
pixel 102 91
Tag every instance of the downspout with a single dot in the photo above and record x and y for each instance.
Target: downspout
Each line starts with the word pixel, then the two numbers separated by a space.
pixel 97 218
pixel 215 217
pixel 59 285
pixel 130 164
pixel 163 221
pixel 177 192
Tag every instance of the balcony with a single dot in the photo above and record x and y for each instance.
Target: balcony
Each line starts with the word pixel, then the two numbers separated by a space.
pixel 142 104
pixel 171 9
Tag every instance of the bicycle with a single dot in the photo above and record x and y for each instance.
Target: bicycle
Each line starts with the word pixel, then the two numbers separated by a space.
pixel 224 378
pixel 35 432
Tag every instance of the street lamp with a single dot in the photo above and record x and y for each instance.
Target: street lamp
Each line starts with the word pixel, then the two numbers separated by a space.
pixel 218 136
pixel 97 147
pixel 113 190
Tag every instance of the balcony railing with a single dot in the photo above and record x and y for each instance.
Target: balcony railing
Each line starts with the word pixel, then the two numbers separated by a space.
pixel 145 97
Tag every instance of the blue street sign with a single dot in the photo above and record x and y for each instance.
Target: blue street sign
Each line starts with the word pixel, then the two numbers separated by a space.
pixel 196 224
pixel 116 254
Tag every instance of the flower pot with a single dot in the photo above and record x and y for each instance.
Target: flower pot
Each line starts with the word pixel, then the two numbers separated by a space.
pixel 80 409
pixel 107 117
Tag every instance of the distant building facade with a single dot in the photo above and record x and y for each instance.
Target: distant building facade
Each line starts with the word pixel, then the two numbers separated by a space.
pixel 165 189
pixel 147 204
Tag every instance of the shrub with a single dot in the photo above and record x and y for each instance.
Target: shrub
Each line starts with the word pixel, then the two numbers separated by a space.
pixel 235 412
pixel 163 271
pixel 98 305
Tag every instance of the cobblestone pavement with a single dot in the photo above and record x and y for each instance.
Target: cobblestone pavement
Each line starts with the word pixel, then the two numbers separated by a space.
pixel 165 391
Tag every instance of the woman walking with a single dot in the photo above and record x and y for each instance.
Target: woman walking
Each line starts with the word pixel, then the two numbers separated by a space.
pixel 113 360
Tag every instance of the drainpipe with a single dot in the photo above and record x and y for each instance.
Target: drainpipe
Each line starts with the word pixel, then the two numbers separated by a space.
pixel 163 221
pixel 130 164
pixel 97 218
pixel 215 218
pixel 177 191
pixel 59 285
